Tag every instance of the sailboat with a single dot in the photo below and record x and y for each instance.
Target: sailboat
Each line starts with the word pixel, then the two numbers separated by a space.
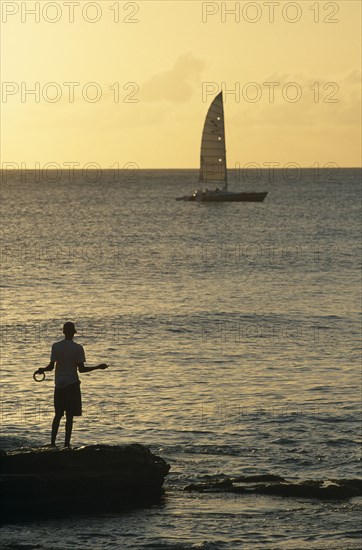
pixel 213 161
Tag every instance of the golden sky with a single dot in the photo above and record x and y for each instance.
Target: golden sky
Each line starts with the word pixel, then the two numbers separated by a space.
pixel 137 89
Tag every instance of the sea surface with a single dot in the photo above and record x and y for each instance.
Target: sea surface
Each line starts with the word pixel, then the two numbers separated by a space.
pixel 232 332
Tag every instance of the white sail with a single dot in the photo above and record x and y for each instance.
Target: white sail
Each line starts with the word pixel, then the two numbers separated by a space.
pixel 213 150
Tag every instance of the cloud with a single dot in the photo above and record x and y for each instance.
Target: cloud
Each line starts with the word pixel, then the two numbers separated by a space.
pixel 336 103
pixel 176 84
pixel 354 77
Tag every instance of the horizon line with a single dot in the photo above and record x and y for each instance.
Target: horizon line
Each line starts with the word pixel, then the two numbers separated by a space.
pixel 32 169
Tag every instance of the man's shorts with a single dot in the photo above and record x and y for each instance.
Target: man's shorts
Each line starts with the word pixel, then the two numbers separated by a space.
pixel 68 399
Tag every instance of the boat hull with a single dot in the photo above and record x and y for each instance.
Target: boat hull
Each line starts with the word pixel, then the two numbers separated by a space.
pixel 225 197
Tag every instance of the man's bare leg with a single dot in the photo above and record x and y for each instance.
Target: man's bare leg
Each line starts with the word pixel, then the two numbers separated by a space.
pixel 55 428
pixel 68 429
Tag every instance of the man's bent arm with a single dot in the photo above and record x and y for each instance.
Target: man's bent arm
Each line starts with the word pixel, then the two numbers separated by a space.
pixel 48 368
pixel 83 368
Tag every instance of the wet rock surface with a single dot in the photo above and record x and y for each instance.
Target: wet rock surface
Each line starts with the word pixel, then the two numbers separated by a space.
pixel 333 489
pixel 95 478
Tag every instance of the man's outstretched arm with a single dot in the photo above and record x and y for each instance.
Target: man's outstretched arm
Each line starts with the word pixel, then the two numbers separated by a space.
pixel 49 367
pixel 83 368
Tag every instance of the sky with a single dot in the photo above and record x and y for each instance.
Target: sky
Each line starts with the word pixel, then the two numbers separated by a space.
pixel 130 82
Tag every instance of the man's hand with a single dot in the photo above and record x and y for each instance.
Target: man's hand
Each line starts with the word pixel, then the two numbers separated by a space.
pixel 103 366
pixel 48 368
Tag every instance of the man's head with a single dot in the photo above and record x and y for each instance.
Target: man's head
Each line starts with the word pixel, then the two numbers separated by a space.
pixel 69 329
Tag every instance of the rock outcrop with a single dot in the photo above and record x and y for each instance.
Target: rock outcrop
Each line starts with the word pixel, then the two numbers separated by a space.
pixel 334 489
pixel 96 478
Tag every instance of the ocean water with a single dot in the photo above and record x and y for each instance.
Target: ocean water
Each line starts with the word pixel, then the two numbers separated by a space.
pixel 232 332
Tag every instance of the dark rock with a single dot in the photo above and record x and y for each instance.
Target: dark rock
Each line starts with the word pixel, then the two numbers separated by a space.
pixel 275 485
pixel 95 478
pixel 223 485
pixel 259 477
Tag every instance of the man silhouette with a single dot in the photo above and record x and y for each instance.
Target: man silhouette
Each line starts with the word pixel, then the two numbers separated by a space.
pixel 68 356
